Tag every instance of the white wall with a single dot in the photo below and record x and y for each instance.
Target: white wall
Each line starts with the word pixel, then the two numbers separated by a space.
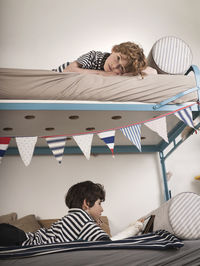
pixel 43 34
pixel 184 166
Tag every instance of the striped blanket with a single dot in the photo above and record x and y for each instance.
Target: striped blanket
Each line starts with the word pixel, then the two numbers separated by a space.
pixel 160 240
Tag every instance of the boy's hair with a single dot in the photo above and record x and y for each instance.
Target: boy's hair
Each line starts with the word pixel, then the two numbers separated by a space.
pixel 88 191
pixel 135 56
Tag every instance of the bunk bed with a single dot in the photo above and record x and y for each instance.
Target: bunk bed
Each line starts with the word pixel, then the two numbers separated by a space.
pixel 86 107
pixel 68 117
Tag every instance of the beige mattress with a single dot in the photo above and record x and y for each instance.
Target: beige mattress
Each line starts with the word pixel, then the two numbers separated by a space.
pixel 49 85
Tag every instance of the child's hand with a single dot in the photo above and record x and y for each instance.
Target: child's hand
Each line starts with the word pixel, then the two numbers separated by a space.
pixel 132 230
pixel 138 224
pixel 150 71
pixel 141 220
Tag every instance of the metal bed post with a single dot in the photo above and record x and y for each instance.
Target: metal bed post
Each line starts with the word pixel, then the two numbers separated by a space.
pixel 174 134
pixel 162 161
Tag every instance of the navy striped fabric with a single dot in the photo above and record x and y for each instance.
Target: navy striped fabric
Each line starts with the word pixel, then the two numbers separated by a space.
pixel 76 225
pixel 93 60
pixel 160 240
pixel 61 67
pixel 57 145
pixel 186 116
pixel 90 60
pixel 133 133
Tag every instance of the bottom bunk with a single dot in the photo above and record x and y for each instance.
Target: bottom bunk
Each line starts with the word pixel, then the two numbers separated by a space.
pixel 172 238
pixel 189 254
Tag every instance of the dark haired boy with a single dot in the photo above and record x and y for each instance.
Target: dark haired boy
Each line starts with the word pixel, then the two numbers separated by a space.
pixel 81 223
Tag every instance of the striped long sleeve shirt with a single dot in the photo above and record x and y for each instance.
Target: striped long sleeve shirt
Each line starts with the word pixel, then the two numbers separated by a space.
pixel 91 60
pixel 76 225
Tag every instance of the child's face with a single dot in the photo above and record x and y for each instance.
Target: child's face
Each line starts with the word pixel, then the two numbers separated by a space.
pixel 116 63
pixel 96 210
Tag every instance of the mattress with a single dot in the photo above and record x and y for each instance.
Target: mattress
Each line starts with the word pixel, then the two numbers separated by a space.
pixel 189 254
pixel 49 85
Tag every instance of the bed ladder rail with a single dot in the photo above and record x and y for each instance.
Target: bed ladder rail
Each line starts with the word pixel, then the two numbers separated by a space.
pixel 174 142
pixel 196 71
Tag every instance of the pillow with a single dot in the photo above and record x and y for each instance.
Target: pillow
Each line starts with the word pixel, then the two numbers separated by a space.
pixel 179 216
pixel 170 55
pixel 27 223
pixel 8 218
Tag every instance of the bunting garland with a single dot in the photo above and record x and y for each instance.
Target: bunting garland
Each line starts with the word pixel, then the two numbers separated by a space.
pixel 85 143
pixel 26 147
pixel 57 146
pixel 158 124
pixel 186 116
pixel 109 138
pixel 133 133
pixel 4 142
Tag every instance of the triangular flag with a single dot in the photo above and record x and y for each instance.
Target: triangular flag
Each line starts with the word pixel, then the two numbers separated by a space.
pixel 26 147
pixel 4 142
pixel 57 145
pixel 109 138
pixel 133 133
pixel 84 142
pixel 186 116
pixel 159 126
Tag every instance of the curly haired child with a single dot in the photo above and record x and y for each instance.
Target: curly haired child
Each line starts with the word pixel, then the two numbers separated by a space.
pixel 125 58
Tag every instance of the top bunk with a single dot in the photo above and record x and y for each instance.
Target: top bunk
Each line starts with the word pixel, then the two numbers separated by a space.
pixel 44 103
pixel 142 114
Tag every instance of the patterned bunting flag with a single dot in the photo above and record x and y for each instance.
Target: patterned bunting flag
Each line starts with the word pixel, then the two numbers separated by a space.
pixel 4 142
pixel 186 116
pixel 57 145
pixel 159 126
pixel 26 147
pixel 133 133
pixel 109 138
pixel 84 142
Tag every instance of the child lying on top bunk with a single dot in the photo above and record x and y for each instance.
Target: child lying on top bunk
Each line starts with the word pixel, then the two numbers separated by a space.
pixel 81 223
pixel 125 59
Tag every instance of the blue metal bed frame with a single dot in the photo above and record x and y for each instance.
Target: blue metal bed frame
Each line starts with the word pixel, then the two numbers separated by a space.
pixel 162 106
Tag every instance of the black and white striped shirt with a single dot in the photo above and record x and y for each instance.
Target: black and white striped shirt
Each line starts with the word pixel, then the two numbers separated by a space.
pixel 91 60
pixel 76 225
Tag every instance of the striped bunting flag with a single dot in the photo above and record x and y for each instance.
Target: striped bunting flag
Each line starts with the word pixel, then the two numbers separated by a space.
pixel 57 145
pixel 159 126
pixel 109 138
pixel 4 142
pixel 84 142
pixel 133 133
pixel 186 116
pixel 26 147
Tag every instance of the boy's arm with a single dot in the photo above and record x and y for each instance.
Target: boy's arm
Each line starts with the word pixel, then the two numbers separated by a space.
pixel 132 230
pixel 76 67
